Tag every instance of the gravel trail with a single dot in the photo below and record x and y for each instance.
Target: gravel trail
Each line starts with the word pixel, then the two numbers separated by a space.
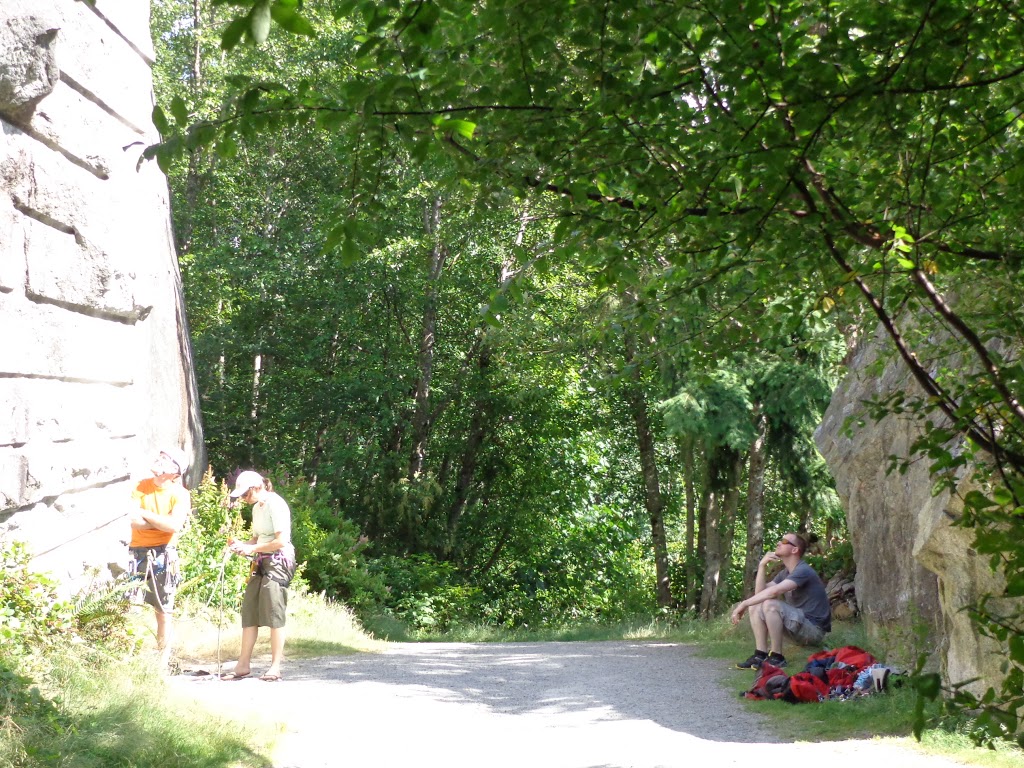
pixel 543 705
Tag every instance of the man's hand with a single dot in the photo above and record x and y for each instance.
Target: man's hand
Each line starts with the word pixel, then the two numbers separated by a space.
pixel 737 613
pixel 770 557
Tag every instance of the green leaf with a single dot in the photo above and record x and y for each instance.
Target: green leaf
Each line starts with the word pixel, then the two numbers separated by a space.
pixel 160 121
pixel 462 128
pixel 227 147
pixel 1015 588
pixel 1002 496
pixel 259 22
pixel 288 18
pixel 928 686
pixel 232 34
pixel 350 251
pixel 499 304
pixel 180 111
pixel 334 238
pixel 200 136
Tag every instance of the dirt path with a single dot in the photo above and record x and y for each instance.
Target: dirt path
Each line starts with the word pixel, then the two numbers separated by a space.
pixel 544 705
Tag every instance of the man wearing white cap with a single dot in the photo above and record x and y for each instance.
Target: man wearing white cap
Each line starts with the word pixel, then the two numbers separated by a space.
pixel 266 594
pixel 160 507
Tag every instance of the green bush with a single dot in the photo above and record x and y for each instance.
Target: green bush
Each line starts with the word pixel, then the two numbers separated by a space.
pixel 425 594
pixel 558 587
pixel 211 576
pixel 331 550
pixel 32 618
pixel 838 558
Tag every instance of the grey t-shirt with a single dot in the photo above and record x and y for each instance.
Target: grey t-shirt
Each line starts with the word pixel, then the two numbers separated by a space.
pixel 809 595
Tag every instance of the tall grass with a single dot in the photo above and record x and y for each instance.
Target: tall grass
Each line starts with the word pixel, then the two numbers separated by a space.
pixel 82 708
pixel 108 712
pixel 316 627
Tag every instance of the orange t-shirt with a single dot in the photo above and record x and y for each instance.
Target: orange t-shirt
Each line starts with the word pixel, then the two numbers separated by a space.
pixel 157 500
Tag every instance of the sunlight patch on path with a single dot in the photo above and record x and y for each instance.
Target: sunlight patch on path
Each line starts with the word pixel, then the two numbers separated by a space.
pixel 544 705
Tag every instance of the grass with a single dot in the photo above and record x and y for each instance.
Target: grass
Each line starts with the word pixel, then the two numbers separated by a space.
pixel 316 627
pixel 889 716
pixel 116 712
pixel 109 711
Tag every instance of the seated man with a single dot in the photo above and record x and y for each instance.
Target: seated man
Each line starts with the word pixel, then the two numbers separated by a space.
pixel 804 615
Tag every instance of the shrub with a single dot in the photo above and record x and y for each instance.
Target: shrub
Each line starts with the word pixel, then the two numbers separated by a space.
pixel 31 616
pixel 332 551
pixel 837 558
pixel 210 575
pixel 425 593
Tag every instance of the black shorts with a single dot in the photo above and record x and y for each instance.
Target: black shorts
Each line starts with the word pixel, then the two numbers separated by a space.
pixel 154 571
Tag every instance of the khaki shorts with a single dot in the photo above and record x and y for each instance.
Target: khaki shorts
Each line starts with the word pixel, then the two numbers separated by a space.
pixel 265 603
pixel 798 627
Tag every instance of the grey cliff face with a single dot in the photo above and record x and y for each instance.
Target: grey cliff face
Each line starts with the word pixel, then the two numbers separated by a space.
pixel 916 569
pixel 95 361
pixel 28 69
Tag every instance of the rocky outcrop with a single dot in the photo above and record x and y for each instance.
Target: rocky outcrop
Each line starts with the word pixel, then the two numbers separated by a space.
pixel 842 597
pixel 95 362
pixel 916 570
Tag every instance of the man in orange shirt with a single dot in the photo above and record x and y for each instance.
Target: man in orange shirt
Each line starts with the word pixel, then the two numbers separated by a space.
pixel 161 505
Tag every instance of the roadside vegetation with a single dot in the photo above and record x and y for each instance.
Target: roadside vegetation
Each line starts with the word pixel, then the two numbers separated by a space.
pixel 80 684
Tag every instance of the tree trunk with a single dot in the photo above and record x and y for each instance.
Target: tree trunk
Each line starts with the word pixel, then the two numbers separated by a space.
pixel 755 504
pixel 690 569
pixel 723 498
pixel 729 517
pixel 478 428
pixel 480 423
pixel 193 177
pixel 428 330
pixel 653 500
pixel 712 553
pixel 703 514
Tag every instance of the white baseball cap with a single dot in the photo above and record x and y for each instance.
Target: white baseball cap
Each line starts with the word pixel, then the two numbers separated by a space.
pixel 245 481
pixel 178 457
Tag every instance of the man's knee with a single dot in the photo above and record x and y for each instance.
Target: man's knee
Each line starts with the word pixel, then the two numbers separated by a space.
pixel 771 606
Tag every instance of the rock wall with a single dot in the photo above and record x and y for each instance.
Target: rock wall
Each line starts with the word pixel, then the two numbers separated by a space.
pixel 916 570
pixel 95 361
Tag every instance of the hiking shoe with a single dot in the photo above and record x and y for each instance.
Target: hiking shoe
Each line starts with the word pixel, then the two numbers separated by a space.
pixel 776 659
pixel 754 662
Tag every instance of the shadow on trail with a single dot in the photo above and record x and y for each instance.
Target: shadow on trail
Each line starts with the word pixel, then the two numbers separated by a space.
pixel 666 684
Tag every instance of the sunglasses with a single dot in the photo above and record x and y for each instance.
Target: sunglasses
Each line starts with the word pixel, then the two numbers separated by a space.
pixel 791 543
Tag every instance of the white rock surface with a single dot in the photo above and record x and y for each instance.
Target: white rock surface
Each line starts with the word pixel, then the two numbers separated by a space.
pixel 95 362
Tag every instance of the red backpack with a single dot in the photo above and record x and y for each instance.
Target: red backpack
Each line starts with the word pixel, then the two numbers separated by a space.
pixel 849 656
pixel 841 677
pixel 806 687
pixel 771 683
pixel 853 657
